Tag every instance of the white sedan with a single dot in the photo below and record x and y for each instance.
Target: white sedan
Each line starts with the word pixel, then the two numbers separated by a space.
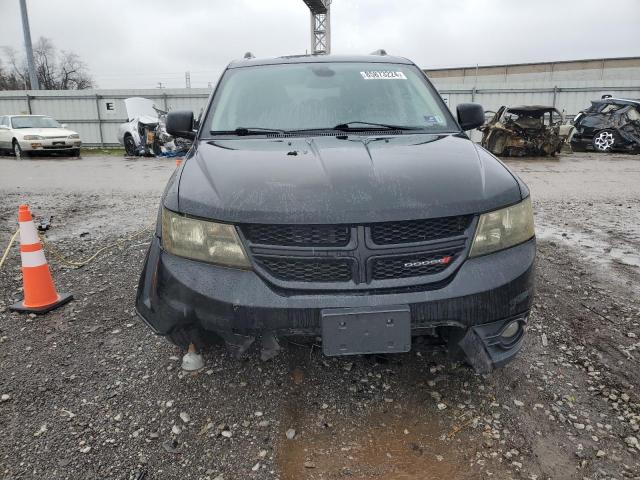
pixel 24 134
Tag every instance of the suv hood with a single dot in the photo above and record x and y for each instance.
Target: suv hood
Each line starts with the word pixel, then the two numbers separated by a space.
pixel 348 179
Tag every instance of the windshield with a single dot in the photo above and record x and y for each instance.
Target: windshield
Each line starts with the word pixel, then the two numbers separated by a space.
pixel 34 122
pixel 323 95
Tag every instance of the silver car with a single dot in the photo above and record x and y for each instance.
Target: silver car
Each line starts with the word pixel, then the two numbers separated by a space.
pixel 26 134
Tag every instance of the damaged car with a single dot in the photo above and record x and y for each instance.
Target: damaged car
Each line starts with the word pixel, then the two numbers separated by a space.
pixel 337 198
pixel 525 130
pixel 609 124
pixel 144 132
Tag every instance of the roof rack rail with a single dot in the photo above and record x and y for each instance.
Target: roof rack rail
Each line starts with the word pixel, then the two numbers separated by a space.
pixel 249 56
pixel 380 51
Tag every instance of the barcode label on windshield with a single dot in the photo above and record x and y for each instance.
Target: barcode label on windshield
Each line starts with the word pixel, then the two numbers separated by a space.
pixel 383 75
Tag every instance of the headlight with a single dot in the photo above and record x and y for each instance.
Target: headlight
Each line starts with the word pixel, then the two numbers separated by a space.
pixel 33 137
pixel 202 240
pixel 503 228
pixel 73 136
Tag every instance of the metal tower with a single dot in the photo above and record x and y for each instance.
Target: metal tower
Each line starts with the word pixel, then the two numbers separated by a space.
pixel 320 25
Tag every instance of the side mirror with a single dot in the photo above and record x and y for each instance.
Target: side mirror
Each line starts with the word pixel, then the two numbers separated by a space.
pixel 470 115
pixel 180 124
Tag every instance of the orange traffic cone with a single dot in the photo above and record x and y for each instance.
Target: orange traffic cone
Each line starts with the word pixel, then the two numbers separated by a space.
pixel 40 294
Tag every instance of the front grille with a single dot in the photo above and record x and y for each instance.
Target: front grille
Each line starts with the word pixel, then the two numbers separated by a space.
pixel 411 265
pixel 354 258
pixel 298 235
pixel 307 270
pixel 411 231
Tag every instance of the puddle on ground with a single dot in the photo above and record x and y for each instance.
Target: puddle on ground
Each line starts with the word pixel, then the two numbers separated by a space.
pixel 591 247
pixel 377 447
pixel 398 440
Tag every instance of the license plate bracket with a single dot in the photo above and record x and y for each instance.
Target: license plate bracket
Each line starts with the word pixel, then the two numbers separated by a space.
pixel 366 330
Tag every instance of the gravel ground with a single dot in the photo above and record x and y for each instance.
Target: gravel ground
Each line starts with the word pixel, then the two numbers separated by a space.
pixel 88 392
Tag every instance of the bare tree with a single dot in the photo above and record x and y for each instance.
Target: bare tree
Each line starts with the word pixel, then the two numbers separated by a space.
pixel 17 68
pixel 72 72
pixel 8 80
pixel 56 70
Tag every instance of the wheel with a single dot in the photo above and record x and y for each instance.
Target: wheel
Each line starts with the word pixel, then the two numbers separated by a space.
pixel 75 152
pixel 200 337
pixel 17 150
pixel 129 145
pixel 603 141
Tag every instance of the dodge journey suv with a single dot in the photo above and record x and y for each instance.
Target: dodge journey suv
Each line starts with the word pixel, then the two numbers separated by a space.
pixel 337 197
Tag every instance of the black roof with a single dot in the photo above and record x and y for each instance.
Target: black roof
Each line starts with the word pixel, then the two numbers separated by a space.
pixel 617 101
pixel 531 108
pixel 319 59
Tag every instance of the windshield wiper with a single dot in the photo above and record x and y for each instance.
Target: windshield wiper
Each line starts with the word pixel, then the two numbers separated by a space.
pixel 350 126
pixel 247 131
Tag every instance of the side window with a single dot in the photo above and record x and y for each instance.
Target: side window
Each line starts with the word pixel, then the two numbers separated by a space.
pixel 4 121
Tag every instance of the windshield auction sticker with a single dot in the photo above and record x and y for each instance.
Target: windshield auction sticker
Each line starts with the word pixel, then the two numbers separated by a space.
pixel 383 75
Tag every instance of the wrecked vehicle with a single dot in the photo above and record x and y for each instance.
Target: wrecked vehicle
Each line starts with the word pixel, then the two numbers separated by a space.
pixel 525 130
pixel 144 133
pixel 337 197
pixel 609 124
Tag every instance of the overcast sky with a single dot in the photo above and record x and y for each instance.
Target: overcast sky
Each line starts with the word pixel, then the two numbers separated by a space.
pixel 139 43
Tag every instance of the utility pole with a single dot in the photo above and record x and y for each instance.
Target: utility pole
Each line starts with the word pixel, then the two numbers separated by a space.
pixel 33 78
pixel 187 79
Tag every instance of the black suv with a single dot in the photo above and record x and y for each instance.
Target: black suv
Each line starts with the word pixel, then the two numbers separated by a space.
pixel 337 197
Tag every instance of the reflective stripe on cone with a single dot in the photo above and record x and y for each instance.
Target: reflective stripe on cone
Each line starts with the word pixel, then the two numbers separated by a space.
pixel 33 259
pixel 28 233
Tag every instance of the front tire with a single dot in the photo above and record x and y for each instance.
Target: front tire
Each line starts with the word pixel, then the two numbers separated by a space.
pixel 129 146
pixel 75 152
pixel 604 141
pixel 17 150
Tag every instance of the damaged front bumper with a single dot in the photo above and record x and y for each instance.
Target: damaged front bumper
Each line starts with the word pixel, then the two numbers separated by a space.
pixel 469 311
